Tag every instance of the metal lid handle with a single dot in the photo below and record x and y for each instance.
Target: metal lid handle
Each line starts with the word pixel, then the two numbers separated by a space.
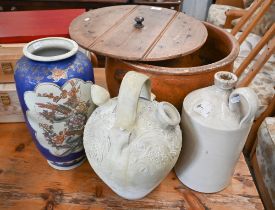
pixel 139 21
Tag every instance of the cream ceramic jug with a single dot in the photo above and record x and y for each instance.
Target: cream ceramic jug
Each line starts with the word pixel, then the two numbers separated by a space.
pixel 132 142
pixel 216 121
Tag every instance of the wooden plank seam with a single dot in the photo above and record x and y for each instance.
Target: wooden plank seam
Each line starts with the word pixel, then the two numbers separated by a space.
pixel 117 23
pixel 151 47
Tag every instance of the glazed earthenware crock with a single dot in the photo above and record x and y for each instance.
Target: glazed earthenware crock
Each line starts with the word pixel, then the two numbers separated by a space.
pixel 173 79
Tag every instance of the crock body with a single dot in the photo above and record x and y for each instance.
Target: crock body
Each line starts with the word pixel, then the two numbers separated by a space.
pixel 173 79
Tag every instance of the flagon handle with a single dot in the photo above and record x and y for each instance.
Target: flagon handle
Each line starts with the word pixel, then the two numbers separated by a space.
pixel 249 108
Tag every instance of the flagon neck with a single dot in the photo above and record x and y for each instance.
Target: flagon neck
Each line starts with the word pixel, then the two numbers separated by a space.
pixel 225 80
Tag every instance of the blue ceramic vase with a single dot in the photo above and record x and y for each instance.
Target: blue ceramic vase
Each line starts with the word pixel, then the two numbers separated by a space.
pixel 53 82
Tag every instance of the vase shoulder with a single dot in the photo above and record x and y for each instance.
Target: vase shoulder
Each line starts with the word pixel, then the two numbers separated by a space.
pixel 34 72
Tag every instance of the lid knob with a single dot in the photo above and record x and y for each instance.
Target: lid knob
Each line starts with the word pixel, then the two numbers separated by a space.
pixel 139 21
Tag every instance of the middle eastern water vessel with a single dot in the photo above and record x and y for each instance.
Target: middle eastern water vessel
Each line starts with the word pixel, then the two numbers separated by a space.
pixel 132 142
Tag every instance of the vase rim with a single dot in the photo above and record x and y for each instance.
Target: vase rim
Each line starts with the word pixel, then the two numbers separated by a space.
pixel 70 46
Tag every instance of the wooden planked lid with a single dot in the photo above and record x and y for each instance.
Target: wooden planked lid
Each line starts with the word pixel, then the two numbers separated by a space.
pixel 115 32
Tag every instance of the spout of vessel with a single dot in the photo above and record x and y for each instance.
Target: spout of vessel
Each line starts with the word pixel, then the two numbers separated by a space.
pixel 99 95
pixel 168 115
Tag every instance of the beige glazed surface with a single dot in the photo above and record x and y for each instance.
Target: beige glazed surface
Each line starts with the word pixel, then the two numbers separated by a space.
pixel 215 122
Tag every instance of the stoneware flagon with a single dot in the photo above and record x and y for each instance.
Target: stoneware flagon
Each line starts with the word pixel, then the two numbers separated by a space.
pixel 53 82
pixel 216 121
pixel 132 142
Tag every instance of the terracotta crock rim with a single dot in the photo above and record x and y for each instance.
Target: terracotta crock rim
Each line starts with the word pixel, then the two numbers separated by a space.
pixel 31 56
pixel 197 69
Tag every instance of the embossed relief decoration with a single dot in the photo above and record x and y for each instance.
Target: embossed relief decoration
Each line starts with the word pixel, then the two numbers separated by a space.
pixel 58 115
pixel 149 149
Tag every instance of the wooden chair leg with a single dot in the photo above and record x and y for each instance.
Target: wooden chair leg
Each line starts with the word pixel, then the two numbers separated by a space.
pixel 268 35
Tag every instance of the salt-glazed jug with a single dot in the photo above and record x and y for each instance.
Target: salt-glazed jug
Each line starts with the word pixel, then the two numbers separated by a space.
pixel 216 121
pixel 132 142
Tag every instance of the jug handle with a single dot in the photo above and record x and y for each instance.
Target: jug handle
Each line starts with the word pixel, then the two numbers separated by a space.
pixel 250 98
pixel 133 86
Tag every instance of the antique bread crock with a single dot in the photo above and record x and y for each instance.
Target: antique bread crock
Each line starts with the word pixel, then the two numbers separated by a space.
pixel 178 52
pixel 146 34
pixel 173 79
pixel 132 142
pixel 53 82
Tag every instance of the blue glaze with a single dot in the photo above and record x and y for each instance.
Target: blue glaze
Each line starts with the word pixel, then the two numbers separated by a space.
pixel 30 73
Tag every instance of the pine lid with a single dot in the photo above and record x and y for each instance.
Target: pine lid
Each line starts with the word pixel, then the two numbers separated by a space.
pixel 138 33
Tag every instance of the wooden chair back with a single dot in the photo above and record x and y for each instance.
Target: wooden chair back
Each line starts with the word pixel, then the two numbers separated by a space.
pixel 250 20
pixel 247 22
pixel 269 39
pixel 264 6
